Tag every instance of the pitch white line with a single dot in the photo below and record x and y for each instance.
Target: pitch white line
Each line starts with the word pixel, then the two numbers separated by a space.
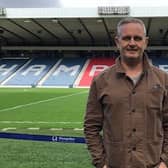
pixel 37 122
pixel 41 101
pixel 56 129
pixel 9 128
pixel 37 128
pixel 33 128
pixel 78 129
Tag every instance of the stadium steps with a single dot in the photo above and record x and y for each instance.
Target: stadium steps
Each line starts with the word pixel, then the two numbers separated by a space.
pixel 49 73
pixel 77 81
pixel 10 77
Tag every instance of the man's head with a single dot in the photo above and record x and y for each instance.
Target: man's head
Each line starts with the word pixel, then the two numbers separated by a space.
pixel 131 39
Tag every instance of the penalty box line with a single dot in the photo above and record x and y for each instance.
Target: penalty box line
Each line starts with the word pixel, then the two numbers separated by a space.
pixel 39 122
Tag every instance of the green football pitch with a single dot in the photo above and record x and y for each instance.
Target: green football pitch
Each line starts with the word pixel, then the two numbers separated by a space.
pixel 43 111
pixel 42 108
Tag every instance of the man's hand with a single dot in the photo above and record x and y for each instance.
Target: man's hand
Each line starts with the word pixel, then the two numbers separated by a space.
pixel 162 165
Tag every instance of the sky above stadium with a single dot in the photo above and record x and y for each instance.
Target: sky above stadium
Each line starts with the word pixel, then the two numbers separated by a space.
pixel 78 3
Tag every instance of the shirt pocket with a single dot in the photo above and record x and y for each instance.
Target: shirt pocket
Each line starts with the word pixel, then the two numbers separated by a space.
pixel 155 97
pixel 154 113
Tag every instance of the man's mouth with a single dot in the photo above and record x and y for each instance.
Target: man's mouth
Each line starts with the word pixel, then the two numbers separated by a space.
pixel 132 50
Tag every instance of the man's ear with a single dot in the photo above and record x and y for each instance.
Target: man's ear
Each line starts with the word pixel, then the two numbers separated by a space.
pixel 146 42
pixel 116 39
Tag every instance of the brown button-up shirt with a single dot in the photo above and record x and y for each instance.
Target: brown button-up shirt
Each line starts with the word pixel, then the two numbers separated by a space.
pixel 126 125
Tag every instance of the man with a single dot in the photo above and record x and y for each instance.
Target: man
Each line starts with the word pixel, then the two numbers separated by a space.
pixel 126 121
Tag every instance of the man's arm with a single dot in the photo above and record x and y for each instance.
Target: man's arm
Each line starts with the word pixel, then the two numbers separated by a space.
pixel 92 127
pixel 164 155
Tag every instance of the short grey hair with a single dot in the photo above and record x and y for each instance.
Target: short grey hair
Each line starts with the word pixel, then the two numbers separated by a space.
pixel 129 20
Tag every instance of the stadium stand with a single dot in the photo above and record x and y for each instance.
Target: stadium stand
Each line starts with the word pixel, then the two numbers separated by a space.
pixel 65 73
pixel 31 72
pixel 95 66
pixel 87 38
pixel 55 72
pixel 162 63
pixel 9 66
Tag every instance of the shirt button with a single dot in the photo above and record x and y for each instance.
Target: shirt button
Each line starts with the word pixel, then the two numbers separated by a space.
pixel 133 110
pixel 133 92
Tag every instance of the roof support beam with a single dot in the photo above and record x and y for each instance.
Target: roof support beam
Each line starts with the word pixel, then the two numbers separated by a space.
pixel 69 32
pixel 148 26
pixel 107 31
pixel 2 38
pixel 49 32
pixel 12 21
pixel 165 35
pixel 16 35
pixel 86 29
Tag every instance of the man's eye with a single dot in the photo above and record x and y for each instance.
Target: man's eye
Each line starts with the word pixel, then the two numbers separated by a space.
pixel 138 38
pixel 126 38
pixel 135 38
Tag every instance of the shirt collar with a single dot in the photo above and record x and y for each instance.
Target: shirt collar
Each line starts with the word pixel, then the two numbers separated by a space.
pixel 146 64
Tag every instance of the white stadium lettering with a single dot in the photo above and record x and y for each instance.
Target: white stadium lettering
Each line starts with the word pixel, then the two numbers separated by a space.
pixel 164 67
pixel 64 69
pixel 97 68
pixel 36 69
pixel 4 71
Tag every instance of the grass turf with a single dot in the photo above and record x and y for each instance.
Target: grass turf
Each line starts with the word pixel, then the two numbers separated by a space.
pixel 27 154
pixel 45 109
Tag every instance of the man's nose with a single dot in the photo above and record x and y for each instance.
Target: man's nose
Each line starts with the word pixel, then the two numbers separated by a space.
pixel 132 41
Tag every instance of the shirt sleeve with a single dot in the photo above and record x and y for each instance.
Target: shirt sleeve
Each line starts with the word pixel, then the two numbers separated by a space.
pixel 93 122
pixel 164 155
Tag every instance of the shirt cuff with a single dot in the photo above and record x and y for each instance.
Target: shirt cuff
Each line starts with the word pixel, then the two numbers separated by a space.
pixel 100 165
pixel 164 158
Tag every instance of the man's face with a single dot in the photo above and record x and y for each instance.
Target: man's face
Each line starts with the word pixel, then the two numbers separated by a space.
pixel 131 41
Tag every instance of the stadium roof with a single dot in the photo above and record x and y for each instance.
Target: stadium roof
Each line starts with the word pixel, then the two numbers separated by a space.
pixel 77 26
pixel 78 3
